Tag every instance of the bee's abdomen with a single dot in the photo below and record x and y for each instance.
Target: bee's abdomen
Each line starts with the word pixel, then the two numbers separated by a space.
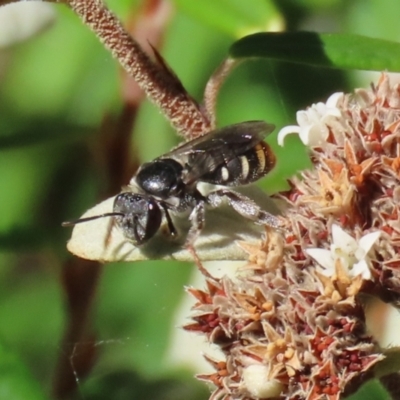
pixel 245 168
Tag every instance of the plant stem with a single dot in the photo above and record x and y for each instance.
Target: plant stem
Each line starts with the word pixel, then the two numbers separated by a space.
pixel 159 83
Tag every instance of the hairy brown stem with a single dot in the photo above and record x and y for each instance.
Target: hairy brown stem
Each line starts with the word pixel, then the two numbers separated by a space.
pixel 158 82
pixel 149 22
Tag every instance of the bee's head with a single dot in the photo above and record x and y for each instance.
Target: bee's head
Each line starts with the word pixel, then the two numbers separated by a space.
pixel 138 216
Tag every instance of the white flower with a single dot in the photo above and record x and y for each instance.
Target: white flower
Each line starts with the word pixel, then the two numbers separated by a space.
pixel 257 383
pixel 352 255
pixel 313 123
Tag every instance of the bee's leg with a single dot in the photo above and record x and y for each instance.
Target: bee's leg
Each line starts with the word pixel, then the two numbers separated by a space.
pixel 197 218
pixel 170 224
pixel 198 262
pixel 244 206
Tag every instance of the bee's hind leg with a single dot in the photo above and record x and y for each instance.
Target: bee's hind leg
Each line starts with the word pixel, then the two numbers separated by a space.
pixel 244 206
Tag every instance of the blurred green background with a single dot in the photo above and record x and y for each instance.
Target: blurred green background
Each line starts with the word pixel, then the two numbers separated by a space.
pixel 55 89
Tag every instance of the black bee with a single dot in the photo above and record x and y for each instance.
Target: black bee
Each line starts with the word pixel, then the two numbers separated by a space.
pixel 232 156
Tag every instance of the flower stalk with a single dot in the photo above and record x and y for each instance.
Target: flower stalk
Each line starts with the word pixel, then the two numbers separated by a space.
pixel 154 77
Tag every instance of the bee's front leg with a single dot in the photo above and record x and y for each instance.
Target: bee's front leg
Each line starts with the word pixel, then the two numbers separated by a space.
pixel 197 219
pixel 171 227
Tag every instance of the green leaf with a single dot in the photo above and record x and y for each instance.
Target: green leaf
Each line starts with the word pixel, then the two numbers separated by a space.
pixel 80 80
pixel 15 380
pixel 333 50
pixel 136 305
pixel 371 390
pixel 390 364
pixel 234 17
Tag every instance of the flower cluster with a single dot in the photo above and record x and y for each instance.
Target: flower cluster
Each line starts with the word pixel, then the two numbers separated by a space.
pixel 291 324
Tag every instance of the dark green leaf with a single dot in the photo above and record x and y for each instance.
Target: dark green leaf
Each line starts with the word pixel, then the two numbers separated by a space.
pixel 130 385
pixel 333 50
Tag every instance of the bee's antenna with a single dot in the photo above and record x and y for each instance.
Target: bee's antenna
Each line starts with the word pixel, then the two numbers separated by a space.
pixel 78 221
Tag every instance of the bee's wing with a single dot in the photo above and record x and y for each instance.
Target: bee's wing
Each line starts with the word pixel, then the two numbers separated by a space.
pixel 205 154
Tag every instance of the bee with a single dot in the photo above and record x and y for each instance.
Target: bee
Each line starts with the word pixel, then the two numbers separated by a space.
pixel 232 156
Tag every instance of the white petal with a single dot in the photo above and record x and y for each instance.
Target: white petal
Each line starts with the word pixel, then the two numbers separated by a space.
pixel 322 257
pixel 313 114
pixel 256 382
pixel 303 118
pixel 361 268
pixel 287 130
pixel 342 239
pixel 315 135
pixel 332 113
pixel 367 241
pixel 329 119
pixel 304 134
pixel 334 99
pixel 321 109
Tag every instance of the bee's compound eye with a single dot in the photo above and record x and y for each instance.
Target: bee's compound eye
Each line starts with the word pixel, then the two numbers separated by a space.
pixel 141 216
